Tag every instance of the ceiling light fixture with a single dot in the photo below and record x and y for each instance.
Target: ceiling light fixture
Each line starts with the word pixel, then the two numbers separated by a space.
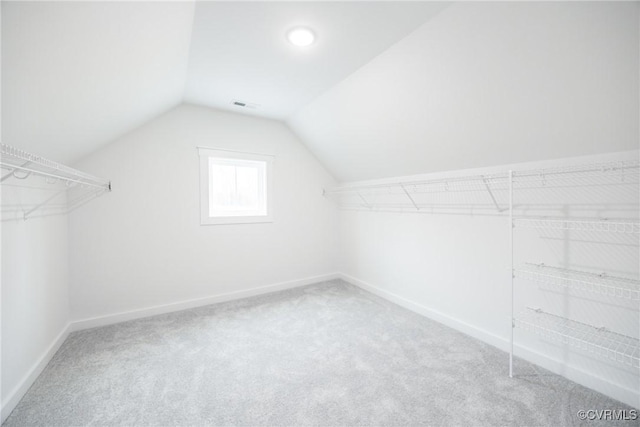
pixel 301 36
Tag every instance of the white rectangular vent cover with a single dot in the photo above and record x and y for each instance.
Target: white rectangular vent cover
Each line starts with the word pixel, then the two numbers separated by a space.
pixel 243 104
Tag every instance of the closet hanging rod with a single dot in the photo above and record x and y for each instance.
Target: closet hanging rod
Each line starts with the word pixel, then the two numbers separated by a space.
pixel 51 175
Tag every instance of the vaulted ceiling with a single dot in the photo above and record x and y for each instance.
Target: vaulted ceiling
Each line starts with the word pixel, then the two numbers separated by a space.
pixel 484 84
pixel 77 75
pixel 239 50
pixel 388 88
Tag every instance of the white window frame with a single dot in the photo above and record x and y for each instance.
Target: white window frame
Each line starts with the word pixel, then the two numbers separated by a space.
pixel 205 154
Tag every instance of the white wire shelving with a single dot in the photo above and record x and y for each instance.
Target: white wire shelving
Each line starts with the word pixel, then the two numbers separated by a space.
pixel 592 174
pixel 602 284
pixel 600 199
pixel 478 193
pixel 489 193
pixel 599 342
pixel 623 226
pixel 56 188
pixel 17 160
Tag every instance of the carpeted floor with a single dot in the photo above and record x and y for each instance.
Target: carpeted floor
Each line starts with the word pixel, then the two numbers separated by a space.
pixel 326 354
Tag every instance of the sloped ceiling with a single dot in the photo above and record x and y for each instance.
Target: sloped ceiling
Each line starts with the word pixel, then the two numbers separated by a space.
pixel 389 88
pixel 485 84
pixel 76 75
pixel 239 50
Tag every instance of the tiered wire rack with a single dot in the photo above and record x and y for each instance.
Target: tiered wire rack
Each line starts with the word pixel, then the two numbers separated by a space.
pixel 587 209
pixel 50 188
pixel 606 187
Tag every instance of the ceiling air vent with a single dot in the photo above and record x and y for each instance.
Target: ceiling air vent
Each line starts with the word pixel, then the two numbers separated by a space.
pixel 243 104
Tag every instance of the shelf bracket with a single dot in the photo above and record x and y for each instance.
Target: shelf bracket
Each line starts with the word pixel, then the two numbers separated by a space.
pixel 495 202
pixel 39 205
pixel 84 200
pixel 409 196
pixel 366 204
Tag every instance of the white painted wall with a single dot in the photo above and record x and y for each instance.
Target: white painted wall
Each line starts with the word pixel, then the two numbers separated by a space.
pixel 454 268
pixel 142 245
pixel 482 84
pixel 35 297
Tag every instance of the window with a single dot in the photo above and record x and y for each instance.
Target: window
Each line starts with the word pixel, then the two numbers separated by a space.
pixel 235 188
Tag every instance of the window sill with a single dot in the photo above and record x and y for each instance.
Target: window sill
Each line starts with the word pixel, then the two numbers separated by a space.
pixel 236 220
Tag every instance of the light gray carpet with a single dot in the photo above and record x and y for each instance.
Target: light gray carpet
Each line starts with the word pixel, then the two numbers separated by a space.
pixel 326 354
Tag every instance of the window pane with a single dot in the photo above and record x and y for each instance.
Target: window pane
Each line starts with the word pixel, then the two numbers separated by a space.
pixel 222 185
pixel 247 186
pixel 237 187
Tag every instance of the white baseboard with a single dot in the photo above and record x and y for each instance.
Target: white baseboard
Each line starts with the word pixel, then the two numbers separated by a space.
pixel 628 396
pixel 111 319
pixel 19 391
pixel 439 317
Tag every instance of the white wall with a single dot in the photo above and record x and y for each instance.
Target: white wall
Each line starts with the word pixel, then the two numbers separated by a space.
pixel 35 297
pixel 455 269
pixel 142 245
pixel 482 84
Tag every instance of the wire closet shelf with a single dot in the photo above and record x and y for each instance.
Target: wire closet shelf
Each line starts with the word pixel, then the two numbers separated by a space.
pixel 590 174
pixel 623 226
pixel 489 193
pixel 574 198
pixel 19 167
pixel 597 341
pixel 601 284
pixel 607 194
pixel 479 193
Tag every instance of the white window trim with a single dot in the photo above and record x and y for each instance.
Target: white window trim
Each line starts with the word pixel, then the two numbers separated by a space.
pixel 205 219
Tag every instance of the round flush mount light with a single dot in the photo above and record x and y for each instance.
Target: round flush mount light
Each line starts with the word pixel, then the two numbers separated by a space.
pixel 301 36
